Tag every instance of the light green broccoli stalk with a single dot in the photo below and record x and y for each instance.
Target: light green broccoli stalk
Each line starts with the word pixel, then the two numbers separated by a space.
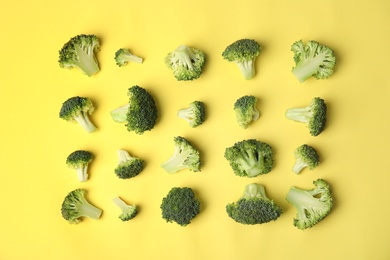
pixel 128 211
pixel 194 114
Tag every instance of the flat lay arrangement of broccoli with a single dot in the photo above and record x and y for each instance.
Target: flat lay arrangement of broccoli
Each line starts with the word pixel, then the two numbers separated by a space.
pixel 246 111
pixel 79 160
pixel 128 166
pixel 127 211
pixel 123 56
pixel 305 156
pixel 194 114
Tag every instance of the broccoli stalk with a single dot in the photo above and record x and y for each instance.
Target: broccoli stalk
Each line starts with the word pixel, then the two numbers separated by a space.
pixel 128 211
pixel 245 110
pixel 305 156
pixel 79 160
pixel 194 114
pixel 128 166
pixel 124 56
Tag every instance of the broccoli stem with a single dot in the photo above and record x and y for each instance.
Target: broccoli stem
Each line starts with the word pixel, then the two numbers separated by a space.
pixel 120 203
pixel 251 164
pixel 308 67
pixel 120 114
pixel 82 173
pixel 247 68
pixel 84 121
pixel 86 62
pixel 123 156
pixel 299 114
pixel 302 200
pixel 298 166
pixel 176 162
pixel 133 58
pixel 87 209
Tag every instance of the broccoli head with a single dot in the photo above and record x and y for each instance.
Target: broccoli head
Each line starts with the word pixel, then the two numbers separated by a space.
pixel 79 52
pixel 124 56
pixel 194 114
pixel 128 166
pixel 79 160
pixel 305 156
pixel 128 211
pixel 312 205
pixel 76 109
pixel 250 158
pixel 180 206
pixel 254 207
pixel 245 109
pixel 244 53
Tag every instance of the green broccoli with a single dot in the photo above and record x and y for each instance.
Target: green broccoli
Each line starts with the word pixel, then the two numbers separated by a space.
pixel 124 56
pixel 79 160
pixel 140 113
pixel 253 207
pixel 194 114
pixel 305 156
pixel 185 62
pixel 75 206
pixel 128 166
pixel 128 211
pixel 244 53
pixel 79 52
pixel 250 158
pixel 185 156
pixel 245 110
pixel 180 206
pixel 76 109
pixel 314 59
pixel 313 115
pixel 312 205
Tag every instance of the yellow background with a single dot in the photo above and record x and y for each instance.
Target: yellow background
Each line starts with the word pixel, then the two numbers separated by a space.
pixel 35 142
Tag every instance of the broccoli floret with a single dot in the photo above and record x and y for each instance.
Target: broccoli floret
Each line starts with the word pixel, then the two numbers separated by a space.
pixel 128 166
pixel 246 112
pixel 254 207
pixel 76 109
pixel 244 53
pixel 305 156
pixel 185 156
pixel 312 205
pixel 79 52
pixel 75 206
pixel 314 59
pixel 128 211
pixel 124 56
pixel 79 160
pixel 180 206
pixel 194 114
pixel 140 113
pixel 250 158
pixel 313 115
pixel 185 62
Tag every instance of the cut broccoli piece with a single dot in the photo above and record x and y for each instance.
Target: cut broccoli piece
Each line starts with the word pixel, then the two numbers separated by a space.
pixel 253 207
pixel 124 56
pixel 244 53
pixel 194 114
pixel 79 52
pixel 79 160
pixel 185 62
pixel 312 59
pixel 245 109
pixel 75 206
pixel 140 113
pixel 128 166
pixel 250 158
pixel 312 205
pixel 305 156
pixel 185 156
pixel 76 109
pixel 180 206
pixel 313 115
pixel 128 211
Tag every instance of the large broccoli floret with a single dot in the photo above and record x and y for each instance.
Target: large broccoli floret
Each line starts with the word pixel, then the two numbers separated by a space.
pixel 305 156
pixel 79 52
pixel 185 156
pixel 180 206
pixel 313 115
pixel 312 205
pixel 254 207
pixel 75 206
pixel 312 59
pixel 250 158
pixel 194 114
pixel 140 113
pixel 128 166
pixel 76 109
pixel 124 56
pixel 79 160
pixel 185 62
pixel 244 53
pixel 246 111
pixel 128 211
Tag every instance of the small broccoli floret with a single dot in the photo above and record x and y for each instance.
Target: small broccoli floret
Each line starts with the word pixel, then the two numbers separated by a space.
pixel 313 115
pixel 185 156
pixel 250 158
pixel 128 211
pixel 79 160
pixel 305 156
pixel 75 206
pixel 194 114
pixel 254 207
pixel 244 53
pixel 79 52
pixel 124 56
pixel 128 166
pixel 185 62
pixel 246 112
pixel 312 59
pixel 76 109
pixel 180 206
pixel 140 114
pixel 312 205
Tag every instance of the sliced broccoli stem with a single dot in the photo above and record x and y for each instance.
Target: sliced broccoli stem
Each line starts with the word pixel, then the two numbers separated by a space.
pixel 247 68
pixel 302 200
pixel 120 203
pixel 183 54
pixel 176 162
pixel 298 166
pixel 308 67
pixel 87 62
pixel 133 58
pixel 251 163
pixel 84 121
pixel 120 114
pixel 299 114
pixel 186 114
pixel 82 173
pixel 124 156
pixel 87 209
